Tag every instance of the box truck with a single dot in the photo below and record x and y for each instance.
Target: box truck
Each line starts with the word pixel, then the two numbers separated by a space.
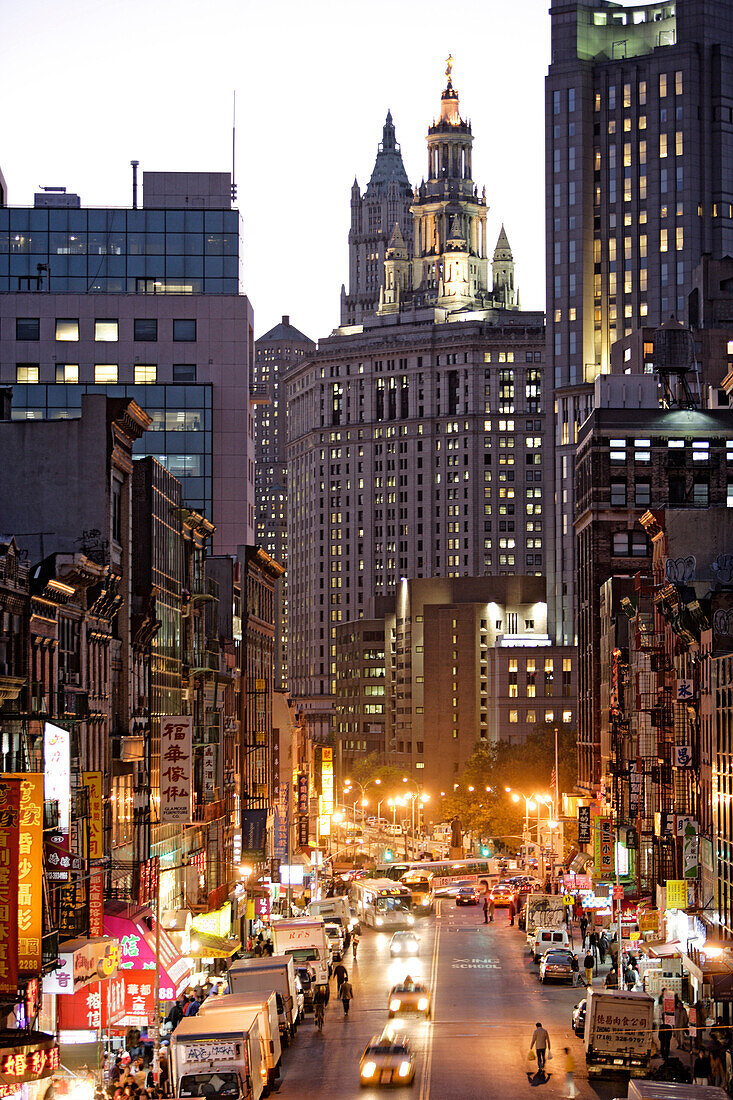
pixel 258 978
pixel 619 1029
pixel 671 1090
pixel 304 939
pixel 543 911
pixel 210 1057
pixel 236 1007
pixel 337 910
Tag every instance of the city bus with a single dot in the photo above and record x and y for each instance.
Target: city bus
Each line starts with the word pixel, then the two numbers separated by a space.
pixel 448 875
pixel 382 903
pixel 420 884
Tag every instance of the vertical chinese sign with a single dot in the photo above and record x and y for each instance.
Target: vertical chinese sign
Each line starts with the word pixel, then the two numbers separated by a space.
pixel 9 848
pixel 303 809
pixel 30 872
pixel 93 783
pixel 176 768
pixel 326 794
pixel 282 816
pixel 57 771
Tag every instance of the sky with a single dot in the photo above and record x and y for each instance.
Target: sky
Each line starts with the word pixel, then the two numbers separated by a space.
pixel 89 85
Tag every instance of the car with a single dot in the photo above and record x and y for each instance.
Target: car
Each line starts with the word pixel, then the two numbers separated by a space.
pixel 578 1017
pixel 403 944
pixel 409 997
pixel 502 893
pixel 467 895
pixel 555 966
pixel 387 1060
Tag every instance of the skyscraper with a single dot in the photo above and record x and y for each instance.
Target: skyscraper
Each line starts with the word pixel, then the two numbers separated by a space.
pixel 638 187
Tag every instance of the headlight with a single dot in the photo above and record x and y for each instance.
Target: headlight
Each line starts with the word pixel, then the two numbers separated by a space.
pixel 394 1004
pixel 396 948
pixel 422 1004
pixel 379 922
pixel 410 919
pixel 404 1069
pixel 368 1069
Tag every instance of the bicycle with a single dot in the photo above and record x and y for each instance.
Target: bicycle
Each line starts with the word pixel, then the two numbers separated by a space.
pixel 319 1015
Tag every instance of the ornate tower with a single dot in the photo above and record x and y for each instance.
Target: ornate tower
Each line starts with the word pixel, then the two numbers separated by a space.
pixel 502 271
pixel 396 273
pixel 450 267
pixel 385 202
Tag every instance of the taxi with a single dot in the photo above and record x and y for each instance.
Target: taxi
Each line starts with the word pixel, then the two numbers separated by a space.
pixel 388 1060
pixel 409 997
pixel 502 893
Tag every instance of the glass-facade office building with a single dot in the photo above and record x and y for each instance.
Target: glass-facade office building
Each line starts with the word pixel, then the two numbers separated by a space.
pixel 119 251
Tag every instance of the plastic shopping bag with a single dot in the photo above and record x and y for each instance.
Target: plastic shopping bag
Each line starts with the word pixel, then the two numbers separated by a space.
pixel 531 1056
pixel 549 1056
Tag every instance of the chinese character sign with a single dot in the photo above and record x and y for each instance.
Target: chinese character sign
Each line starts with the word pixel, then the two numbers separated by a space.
pixel 176 768
pixel 604 846
pixel 9 846
pixel 583 824
pixel 685 690
pixel 210 777
pixel 57 770
pixel 682 756
pixel 93 783
pixel 96 904
pixel 282 811
pixel 327 780
pixel 676 893
pixel 303 793
pixel 30 872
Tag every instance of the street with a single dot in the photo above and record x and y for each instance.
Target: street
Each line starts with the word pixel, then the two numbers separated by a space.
pixel 486 1001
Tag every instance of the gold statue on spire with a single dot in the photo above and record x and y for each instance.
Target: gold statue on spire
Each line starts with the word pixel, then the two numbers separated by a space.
pixel 449 68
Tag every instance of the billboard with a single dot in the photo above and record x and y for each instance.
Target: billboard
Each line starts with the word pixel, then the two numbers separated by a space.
pixel 9 845
pixel 30 870
pixel 93 783
pixel 254 832
pixel 57 770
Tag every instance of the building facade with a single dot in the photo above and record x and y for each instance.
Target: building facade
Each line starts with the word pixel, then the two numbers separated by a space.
pixel 638 144
pixel 276 352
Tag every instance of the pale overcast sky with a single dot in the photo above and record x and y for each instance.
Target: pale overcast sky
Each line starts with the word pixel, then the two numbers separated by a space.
pixel 88 85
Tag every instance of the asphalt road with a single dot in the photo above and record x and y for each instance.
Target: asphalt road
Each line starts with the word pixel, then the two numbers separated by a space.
pixel 486 1001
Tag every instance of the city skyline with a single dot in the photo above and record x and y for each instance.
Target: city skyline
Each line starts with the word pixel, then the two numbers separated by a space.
pixel 288 56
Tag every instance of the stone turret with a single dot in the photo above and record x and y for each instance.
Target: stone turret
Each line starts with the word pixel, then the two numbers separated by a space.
pixel 502 270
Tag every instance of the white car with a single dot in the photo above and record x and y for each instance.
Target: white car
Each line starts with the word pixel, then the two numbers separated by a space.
pixel 404 944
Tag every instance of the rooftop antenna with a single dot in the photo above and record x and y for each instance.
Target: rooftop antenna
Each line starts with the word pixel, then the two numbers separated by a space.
pixel 134 164
pixel 234 142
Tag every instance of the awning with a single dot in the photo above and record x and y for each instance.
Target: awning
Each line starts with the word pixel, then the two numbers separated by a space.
pixel 138 952
pixel 580 862
pixel 205 946
pixel 667 950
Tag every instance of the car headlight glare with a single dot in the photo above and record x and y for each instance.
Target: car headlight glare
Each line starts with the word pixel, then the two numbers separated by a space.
pixel 394 1004
pixel 404 1069
pixel 410 919
pixel 379 922
pixel 368 1069
pixel 422 1004
pixel 396 948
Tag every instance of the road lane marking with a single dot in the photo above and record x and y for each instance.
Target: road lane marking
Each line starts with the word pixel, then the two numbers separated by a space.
pixel 427 1064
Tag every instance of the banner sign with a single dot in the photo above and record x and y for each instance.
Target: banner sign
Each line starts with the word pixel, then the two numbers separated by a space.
pixel 254 832
pixel 685 690
pixel 676 893
pixel 96 904
pixel 210 784
pixel 282 813
pixel 683 756
pixel 93 783
pixel 690 860
pixel 176 768
pixel 30 871
pixel 583 824
pixel 327 780
pixel 148 880
pixel 303 793
pixel 636 779
pixel 604 846
pixel 93 961
pixel 9 848
pixel 57 770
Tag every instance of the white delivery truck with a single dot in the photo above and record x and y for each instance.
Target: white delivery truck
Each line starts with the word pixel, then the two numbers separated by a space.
pixel 543 911
pixel 337 910
pixel 671 1090
pixel 235 1007
pixel 304 939
pixel 211 1058
pixel 258 978
pixel 619 1029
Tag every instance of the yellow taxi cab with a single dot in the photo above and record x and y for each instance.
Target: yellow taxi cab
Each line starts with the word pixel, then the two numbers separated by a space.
pixel 409 997
pixel 387 1060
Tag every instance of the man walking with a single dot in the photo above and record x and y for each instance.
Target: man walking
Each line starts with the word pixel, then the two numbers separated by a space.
pixel 486 909
pixel 491 910
pixel 569 1071
pixel 583 927
pixel 341 976
pixel 511 911
pixel 541 1042
pixel 575 967
pixel 347 994
pixel 588 964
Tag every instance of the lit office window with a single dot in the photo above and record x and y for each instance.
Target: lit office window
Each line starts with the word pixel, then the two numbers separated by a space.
pixel 26 372
pixel 105 374
pixel 106 332
pixel 145 373
pixel 67 329
pixel 67 372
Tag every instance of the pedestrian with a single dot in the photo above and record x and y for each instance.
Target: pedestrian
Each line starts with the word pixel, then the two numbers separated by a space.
pixel 341 976
pixel 511 911
pixel 583 927
pixel 569 1071
pixel 575 967
pixel 665 1038
pixel 717 1070
pixel 491 909
pixel 486 909
pixel 347 994
pixel 603 946
pixel 593 944
pixel 701 1068
pixel 541 1042
pixel 588 964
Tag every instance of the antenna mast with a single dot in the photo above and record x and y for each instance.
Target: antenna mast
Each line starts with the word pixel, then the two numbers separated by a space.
pixel 234 142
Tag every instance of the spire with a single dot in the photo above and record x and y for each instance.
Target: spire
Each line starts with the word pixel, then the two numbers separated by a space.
pixel 388 134
pixel 456 237
pixel 388 167
pixel 397 249
pixel 503 249
pixel 449 98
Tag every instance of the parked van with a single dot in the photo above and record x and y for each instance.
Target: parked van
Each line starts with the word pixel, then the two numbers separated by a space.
pixel 546 938
pixel 235 1007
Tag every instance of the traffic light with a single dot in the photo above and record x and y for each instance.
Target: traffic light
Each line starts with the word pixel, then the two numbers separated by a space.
pixel 485 850
pixel 388 855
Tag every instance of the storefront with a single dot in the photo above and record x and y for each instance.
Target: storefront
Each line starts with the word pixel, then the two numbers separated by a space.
pixel 27 1061
pixel 80 985
pixel 138 961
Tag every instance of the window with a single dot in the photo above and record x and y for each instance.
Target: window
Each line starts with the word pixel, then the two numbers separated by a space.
pixel 67 372
pixel 184 331
pixel 145 330
pixel 700 493
pixel 106 332
pixel 67 329
pixel 513 716
pixel 618 494
pixel 643 494
pixel 105 373
pixel 27 328
pixel 184 372
pixel 145 373
pixel 621 544
pixel 662 85
pixel 26 372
